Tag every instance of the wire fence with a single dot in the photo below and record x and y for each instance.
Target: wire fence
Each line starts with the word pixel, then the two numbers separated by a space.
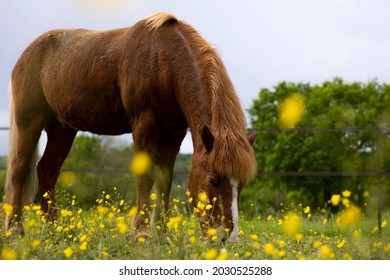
pixel 378 173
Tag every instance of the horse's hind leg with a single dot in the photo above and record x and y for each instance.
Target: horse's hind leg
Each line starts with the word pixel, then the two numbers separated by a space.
pixel 59 143
pixel 21 172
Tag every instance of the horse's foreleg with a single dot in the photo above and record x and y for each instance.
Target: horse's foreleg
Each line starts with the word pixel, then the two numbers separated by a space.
pixel 168 148
pixel 145 135
pixel 59 143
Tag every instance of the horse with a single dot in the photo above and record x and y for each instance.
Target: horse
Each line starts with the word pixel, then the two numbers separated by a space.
pixel 155 79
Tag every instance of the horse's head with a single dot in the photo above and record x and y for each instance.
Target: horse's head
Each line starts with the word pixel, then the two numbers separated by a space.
pixel 214 194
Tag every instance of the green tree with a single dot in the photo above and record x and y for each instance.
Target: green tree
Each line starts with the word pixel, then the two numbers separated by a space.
pixel 333 104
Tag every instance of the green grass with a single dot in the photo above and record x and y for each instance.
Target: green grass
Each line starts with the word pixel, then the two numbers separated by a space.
pixel 104 232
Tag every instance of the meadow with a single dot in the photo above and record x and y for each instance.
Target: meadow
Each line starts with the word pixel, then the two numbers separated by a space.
pixel 295 232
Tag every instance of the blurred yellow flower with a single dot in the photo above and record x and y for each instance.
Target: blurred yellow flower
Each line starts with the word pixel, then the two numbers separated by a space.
pixel 8 254
pixel 223 254
pixel 346 193
pixel 211 254
pixel 340 244
pixel 83 246
pixel 291 225
pixel 153 196
pixel 387 248
pixel 335 199
pixel 211 231
pixel 68 252
pixel 133 211
pixel 306 210
pixel 269 249
pixel 35 243
pixel 349 216
pixel 384 224
pixel 298 237
pixel 202 196
pixel 325 252
pixel 7 209
pixel 317 244
pixel 141 163
pixel 254 236
pixel 122 226
pixel 291 111
pixel 346 202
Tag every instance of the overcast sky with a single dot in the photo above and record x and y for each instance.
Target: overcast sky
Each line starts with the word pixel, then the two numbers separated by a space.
pixel 262 42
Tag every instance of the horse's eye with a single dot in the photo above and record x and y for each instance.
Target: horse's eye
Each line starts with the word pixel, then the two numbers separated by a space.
pixel 213 182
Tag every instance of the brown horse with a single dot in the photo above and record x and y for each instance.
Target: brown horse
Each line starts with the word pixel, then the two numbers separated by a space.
pixel 154 80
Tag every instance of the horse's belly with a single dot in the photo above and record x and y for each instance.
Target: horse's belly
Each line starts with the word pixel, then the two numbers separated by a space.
pixel 104 124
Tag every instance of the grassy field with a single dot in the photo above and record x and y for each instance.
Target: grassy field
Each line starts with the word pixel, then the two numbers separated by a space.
pixel 104 232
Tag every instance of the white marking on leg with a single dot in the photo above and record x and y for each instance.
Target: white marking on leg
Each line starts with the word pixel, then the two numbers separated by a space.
pixel 234 208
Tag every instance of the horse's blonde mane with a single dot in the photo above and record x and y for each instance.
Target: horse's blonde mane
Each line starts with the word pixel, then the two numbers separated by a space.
pixel 156 20
pixel 232 154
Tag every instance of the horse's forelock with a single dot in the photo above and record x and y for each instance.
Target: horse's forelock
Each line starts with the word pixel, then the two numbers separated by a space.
pixel 233 156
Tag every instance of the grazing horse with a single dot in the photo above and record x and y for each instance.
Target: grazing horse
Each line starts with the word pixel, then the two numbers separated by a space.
pixel 155 80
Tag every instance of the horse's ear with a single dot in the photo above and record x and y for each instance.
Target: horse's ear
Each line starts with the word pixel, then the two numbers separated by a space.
pixel 207 138
pixel 251 138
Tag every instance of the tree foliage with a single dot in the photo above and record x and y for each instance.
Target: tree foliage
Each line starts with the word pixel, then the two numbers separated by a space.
pixel 334 104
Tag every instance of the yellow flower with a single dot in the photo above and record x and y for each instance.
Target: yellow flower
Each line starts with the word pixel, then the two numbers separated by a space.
pixel 83 246
pixel 292 224
pixel 141 239
pixel 254 236
pixel 347 256
pixel 211 254
pixel 346 202
pixel 202 196
pixel 387 248
pixel 122 227
pixel 384 224
pixel 8 254
pixel 133 211
pixel 64 213
pixel 377 244
pixel 108 196
pixel 346 193
pixel 175 221
pixel 335 199
pixel 140 163
pixel 317 244
pixel 46 195
pixel 349 216
pixel 192 240
pixel 211 231
pixel 35 243
pixel 7 209
pixel 298 237
pixel 68 252
pixel 153 196
pixel 340 244
pixel 366 194
pixel 325 252
pixel 223 254
pixel 291 111
pixel 269 217
pixel 269 249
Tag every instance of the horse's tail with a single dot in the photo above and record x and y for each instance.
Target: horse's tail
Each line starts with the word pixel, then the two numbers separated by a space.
pixel 30 188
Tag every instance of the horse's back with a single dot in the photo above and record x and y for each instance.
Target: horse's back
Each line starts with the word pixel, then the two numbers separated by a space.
pixel 100 81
